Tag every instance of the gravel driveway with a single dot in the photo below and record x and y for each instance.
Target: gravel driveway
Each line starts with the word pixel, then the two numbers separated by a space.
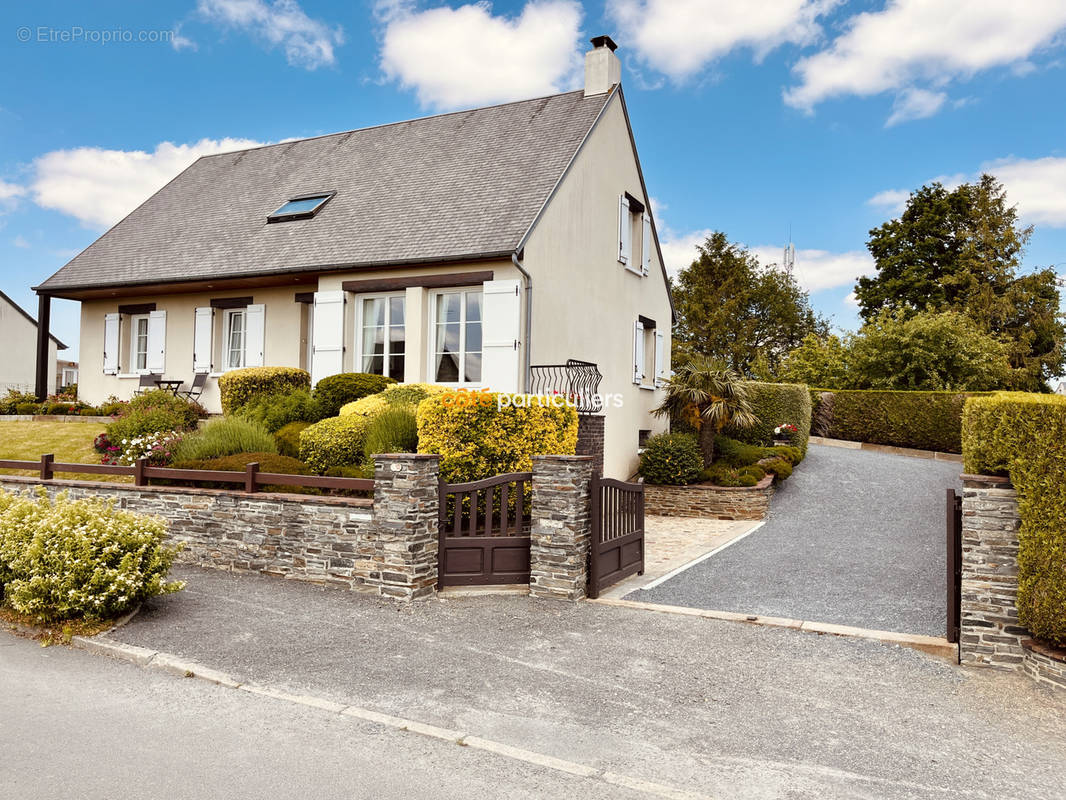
pixel 853 538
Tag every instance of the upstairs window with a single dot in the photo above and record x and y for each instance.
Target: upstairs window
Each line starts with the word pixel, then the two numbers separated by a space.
pixel 634 225
pixel 302 207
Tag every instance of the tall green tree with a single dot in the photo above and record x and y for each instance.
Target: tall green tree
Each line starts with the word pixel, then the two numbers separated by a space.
pixel 960 250
pixel 732 309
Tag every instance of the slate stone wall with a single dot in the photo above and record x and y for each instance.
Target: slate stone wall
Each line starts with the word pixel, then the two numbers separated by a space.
pixel 561 526
pixel 715 502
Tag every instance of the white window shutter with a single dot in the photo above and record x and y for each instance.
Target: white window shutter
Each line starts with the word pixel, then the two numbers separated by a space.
pixel 111 365
pixel 660 360
pixel 625 231
pixel 500 315
pixel 638 352
pixel 645 244
pixel 157 342
pixel 203 330
pixel 327 335
pixel 255 335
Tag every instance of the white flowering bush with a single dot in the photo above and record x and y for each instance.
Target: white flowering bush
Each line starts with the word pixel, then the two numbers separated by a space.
pixel 158 448
pixel 66 559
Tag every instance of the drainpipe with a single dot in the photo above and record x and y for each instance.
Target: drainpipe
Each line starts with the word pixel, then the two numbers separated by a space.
pixel 529 320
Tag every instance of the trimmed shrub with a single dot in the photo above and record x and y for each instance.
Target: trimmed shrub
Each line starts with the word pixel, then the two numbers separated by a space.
pixel 780 467
pixel 10 402
pixel 28 408
pixel 288 438
pixel 334 391
pixel 412 393
pixel 1024 436
pixel 224 437
pixel 275 411
pixel 153 412
pixel 65 559
pixel 739 454
pixel 478 439
pixel 240 387
pixel 673 459
pixel 333 442
pixel 366 406
pixel 721 474
pixel 920 420
pixel 394 429
pixel 776 404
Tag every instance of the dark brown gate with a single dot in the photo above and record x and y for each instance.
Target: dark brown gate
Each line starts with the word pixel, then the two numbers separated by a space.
pixel 954 564
pixel 484 531
pixel 617 549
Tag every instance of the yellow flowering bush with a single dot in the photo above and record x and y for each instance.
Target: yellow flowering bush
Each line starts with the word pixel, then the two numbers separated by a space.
pixel 65 559
pixel 397 394
pixel 239 387
pixel 333 442
pixel 366 406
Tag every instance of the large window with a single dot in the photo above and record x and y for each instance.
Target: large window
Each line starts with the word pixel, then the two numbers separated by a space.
pixel 235 326
pixel 382 335
pixel 139 341
pixel 456 350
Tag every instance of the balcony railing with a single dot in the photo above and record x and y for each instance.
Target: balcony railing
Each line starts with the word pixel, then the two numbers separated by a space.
pixel 578 381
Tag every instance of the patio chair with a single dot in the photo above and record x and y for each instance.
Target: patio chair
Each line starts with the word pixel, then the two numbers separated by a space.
pixel 199 381
pixel 147 382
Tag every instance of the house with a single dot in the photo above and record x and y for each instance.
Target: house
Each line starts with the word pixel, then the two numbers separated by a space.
pixel 18 360
pixel 66 374
pixel 476 249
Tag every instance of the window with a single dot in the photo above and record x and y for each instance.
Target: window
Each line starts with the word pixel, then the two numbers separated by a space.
pixel 649 364
pixel 139 341
pixel 456 342
pixel 382 337
pixel 235 327
pixel 633 222
pixel 303 207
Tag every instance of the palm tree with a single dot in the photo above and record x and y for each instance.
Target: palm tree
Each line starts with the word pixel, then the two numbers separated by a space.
pixel 713 392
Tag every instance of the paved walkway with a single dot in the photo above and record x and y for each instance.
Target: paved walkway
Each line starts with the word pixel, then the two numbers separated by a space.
pixel 853 538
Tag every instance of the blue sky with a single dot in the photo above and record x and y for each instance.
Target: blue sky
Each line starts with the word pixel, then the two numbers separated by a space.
pixel 810 115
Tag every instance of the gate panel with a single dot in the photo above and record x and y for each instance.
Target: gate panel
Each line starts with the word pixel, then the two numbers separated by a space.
pixel 484 531
pixel 954 565
pixel 617 547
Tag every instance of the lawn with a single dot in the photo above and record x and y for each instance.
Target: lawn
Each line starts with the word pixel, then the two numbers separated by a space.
pixel 70 442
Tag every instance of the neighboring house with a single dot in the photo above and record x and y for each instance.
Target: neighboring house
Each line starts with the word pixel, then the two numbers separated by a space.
pixel 467 249
pixel 66 374
pixel 18 359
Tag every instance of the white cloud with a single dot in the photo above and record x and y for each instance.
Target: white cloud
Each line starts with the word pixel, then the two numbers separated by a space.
pixel 99 187
pixel 852 300
pixel 680 37
pixel 466 56
pixel 21 241
pixel 1035 185
pixel 307 42
pixel 925 42
pixel 179 42
pixel 679 250
pixel 10 191
pixel 915 104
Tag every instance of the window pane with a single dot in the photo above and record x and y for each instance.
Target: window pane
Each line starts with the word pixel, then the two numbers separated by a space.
pixel 447 368
pixel 374 364
pixel 396 310
pixel 448 307
pixel 473 367
pixel 396 365
pixel 300 206
pixel 448 338
pixel 373 341
pixel 473 337
pixel 396 339
pixel 473 306
pixel 374 312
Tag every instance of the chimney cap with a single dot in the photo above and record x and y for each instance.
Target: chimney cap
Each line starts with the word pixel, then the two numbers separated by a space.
pixel 604 41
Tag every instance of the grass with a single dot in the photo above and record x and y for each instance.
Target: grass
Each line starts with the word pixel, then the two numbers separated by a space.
pixel 70 442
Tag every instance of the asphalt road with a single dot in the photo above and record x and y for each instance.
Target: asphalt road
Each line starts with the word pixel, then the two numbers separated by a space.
pixel 724 709
pixel 853 537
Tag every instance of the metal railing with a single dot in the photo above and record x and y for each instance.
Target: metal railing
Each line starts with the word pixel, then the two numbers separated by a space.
pixel 578 381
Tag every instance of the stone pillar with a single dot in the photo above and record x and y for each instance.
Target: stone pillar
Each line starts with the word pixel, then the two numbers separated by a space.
pixel 561 527
pixel 398 555
pixel 590 439
pixel 990 633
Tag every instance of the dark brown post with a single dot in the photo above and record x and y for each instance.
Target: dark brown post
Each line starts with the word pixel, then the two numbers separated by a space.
pixel 138 472
pixel 250 473
pixel 44 319
pixel 594 542
pixel 46 467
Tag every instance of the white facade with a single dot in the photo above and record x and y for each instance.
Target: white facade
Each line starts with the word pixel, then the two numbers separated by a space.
pixel 18 358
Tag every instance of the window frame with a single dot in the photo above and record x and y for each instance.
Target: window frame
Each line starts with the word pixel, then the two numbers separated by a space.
pixel 431 349
pixel 134 336
pixel 386 355
pixel 277 216
pixel 227 316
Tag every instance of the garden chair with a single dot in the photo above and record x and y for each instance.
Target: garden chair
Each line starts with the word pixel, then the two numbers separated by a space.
pixel 199 381
pixel 147 382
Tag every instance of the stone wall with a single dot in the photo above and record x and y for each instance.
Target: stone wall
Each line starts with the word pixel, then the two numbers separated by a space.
pixel 705 500
pixel 561 527
pixel 590 439
pixel 1044 664
pixel 990 633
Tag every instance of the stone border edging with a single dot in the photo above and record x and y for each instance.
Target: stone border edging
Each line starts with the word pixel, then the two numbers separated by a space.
pixel 931 455
pixel 930 645
pixel 175 665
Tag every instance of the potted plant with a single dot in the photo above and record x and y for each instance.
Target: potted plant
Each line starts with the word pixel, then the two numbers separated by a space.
pixel 783 434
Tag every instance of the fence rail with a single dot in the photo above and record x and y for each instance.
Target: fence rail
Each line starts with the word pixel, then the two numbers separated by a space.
pixel 142 473
pixel 578 381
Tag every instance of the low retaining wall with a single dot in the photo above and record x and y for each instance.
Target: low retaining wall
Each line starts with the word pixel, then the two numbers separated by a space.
pixel 705 500
pixel 1044 664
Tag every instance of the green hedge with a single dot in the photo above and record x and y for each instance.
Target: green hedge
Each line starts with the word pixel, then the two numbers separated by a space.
pixel 920 420
pixel 334 391
pixel 673 459
pixel 776 404
pixel 239 387
pixel 333 442
pixel 1024 436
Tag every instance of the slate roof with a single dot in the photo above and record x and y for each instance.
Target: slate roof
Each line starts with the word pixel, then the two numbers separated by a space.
pixel 449 187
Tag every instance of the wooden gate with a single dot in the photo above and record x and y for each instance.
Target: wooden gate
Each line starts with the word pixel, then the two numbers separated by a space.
pixel 617 548
pixel 954 565
pixel 484 531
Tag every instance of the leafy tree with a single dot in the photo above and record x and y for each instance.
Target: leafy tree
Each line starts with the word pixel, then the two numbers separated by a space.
pixel 713 394
pixel 819 361
pixel 735 310
pixel 960 250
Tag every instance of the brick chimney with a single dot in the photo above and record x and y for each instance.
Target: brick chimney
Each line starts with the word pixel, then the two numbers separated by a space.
pixel 602 67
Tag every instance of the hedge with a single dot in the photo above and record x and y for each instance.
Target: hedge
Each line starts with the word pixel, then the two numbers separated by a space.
pixel 1024 436
pixel 920 420
pixel 477 439
pixel 333 442
pixel 239 387
pixel 775 404
pixel 334 391
pixel 673 459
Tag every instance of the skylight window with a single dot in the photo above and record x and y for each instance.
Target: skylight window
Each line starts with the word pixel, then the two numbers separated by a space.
pixel 303 207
